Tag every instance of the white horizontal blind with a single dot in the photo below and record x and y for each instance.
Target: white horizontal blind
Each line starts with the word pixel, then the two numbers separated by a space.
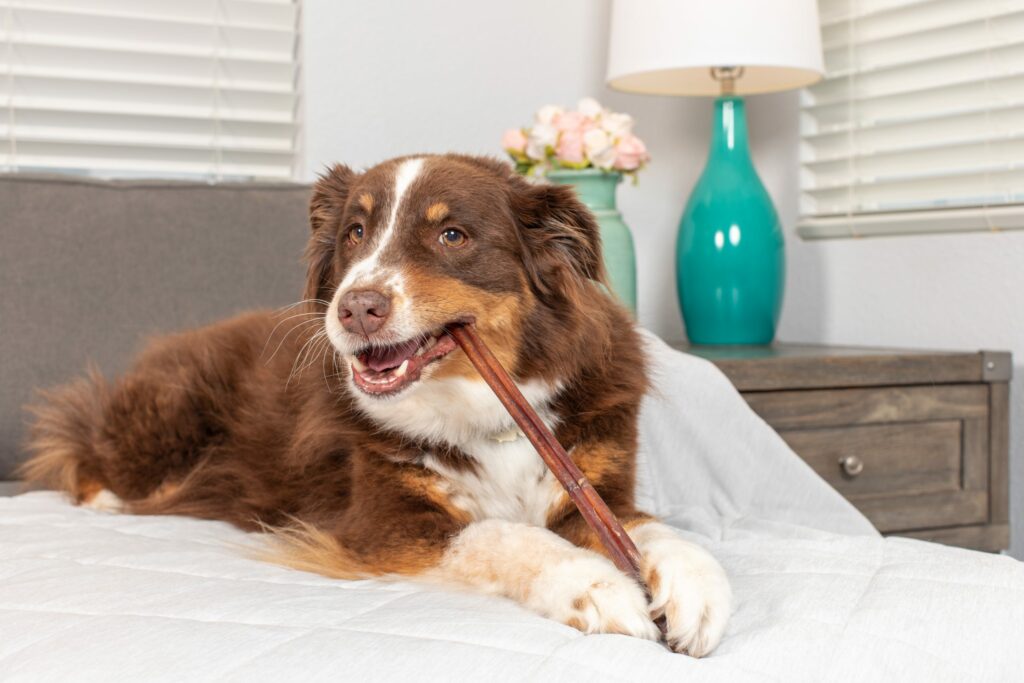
pixel 189 88
pixel 919 123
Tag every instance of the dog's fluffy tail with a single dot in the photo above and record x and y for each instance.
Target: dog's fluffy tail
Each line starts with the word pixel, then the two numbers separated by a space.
pixel 62 438
pixel 308 548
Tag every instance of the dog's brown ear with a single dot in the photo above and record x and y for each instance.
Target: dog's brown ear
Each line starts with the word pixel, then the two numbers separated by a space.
pixel 330 192
pixel 561 237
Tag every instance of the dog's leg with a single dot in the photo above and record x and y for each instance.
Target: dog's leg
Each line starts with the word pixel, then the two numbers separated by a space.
pixel 547 574
pixel 688 586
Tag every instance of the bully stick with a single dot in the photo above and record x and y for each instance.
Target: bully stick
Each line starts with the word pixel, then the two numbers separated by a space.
pixel 595 511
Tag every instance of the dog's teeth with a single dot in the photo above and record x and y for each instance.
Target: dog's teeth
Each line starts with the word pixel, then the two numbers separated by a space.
pixel 419 351
pixel 430 344
pixel 400 372
pixel 359 367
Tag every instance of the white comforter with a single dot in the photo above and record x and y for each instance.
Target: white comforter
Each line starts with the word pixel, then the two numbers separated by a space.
pixel 819 596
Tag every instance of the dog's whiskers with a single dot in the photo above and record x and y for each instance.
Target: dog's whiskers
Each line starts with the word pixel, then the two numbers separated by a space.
pixel 307 348
pixel 328 348
pixel 307 354
pixel 285 309
pixel 296 326
pixel 296 363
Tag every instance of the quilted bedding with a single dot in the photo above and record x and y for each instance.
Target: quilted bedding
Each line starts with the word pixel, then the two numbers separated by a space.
pixel 86 595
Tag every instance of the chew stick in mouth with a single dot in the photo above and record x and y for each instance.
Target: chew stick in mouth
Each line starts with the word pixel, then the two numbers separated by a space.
pixel 595 511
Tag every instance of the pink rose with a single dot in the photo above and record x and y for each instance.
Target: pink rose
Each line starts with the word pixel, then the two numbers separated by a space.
pixel 630 153
pixel 570 148
pixel 575 121
pixel 513 141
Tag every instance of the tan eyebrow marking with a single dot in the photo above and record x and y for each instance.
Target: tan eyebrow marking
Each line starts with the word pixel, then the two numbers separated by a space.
pixel 366 201
pixel 437 212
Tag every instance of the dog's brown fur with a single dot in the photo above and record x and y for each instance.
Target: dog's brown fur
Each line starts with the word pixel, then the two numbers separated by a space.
pixel 216 422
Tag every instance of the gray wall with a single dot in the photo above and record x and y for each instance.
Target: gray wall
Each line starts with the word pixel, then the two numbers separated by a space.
pixel 387 78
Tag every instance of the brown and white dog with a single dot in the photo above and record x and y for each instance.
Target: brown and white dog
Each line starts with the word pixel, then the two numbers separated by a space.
pixel 362 434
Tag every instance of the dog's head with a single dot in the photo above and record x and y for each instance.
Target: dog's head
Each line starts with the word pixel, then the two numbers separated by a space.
pixel 416 244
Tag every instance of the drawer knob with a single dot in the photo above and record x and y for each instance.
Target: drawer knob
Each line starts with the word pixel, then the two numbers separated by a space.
pixel 852 465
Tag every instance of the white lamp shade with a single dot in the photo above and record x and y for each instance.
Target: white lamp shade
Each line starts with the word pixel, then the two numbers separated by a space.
pixel 667 47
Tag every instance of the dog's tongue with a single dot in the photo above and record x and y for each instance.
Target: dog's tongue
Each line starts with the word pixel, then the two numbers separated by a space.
pixel 381 359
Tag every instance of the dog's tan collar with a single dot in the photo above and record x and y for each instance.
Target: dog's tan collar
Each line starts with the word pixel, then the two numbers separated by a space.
pixel 507 435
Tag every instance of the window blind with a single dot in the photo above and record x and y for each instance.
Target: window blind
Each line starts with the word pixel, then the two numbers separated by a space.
pixel 919 123
pixel 150 87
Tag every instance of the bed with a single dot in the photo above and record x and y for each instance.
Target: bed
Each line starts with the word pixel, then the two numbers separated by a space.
pixel 86 595
pixel 90 596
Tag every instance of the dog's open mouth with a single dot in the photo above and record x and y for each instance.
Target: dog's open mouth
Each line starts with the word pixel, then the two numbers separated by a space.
pixel 383 370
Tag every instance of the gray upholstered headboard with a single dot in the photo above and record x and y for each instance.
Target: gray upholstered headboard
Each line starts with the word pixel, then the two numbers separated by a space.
pixel 89 268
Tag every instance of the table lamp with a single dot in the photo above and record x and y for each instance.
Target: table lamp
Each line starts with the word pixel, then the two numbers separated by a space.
pixel 730 257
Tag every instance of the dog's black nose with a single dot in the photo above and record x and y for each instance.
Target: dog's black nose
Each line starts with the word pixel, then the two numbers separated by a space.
pixel 364 311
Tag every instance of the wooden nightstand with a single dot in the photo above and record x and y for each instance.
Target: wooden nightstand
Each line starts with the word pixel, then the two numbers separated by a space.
pixel 917 440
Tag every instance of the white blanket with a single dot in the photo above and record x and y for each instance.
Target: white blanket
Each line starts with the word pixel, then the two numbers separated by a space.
pixel 89 596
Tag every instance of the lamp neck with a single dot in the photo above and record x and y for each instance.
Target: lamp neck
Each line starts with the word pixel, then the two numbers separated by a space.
pixel 726 77
pixel 729 129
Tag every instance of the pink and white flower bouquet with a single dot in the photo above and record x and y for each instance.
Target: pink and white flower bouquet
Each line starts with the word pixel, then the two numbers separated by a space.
pixel 588 137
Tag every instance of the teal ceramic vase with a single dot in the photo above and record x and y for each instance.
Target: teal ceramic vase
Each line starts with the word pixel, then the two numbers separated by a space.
pixel 730 258
pixel 596 189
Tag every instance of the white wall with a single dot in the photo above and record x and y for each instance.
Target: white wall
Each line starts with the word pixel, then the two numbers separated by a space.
pixel 385 78
pixel 388 78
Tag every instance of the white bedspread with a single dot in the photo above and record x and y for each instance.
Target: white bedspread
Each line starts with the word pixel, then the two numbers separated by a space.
pixel 820 597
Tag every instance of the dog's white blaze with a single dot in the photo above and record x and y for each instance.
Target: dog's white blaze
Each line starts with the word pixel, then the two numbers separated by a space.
pixel 369 267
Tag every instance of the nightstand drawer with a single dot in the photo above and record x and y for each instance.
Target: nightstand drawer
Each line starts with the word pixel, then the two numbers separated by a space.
pixel 908 457
pixel 924 434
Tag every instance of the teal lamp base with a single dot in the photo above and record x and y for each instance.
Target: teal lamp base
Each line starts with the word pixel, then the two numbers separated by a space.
pixel 730 256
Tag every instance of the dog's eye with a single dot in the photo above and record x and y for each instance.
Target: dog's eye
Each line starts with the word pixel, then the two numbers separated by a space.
pixel 355 234
pixel 452 237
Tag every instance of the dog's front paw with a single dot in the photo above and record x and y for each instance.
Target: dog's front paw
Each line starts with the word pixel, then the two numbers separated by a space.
pixel 688 587
pixel 587 592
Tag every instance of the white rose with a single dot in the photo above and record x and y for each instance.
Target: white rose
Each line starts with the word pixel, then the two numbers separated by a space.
pixel 548 114
pixel 542 136
pixel 617 125
pixel 590 108
pixel 599 148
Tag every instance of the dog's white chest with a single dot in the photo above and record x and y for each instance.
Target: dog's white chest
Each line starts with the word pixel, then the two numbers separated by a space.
pixel 510 482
